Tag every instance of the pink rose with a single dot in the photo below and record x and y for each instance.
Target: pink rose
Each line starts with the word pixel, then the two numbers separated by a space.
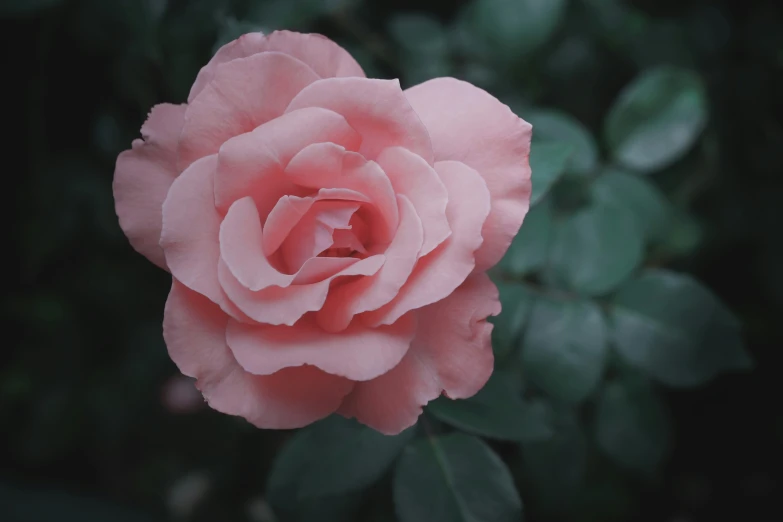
pixel 327 234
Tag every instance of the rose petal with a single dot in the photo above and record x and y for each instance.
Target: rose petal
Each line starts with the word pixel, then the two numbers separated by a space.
pixel 314 232
pixel 452 352
pixel 360 229
pixel 286 305
pixel 252 164
pixel 142 179
pixel 446 267
pixel 289 210
pixel 329 165
pixel 244 46
pixel 469 125
pixel 241 240
pixel 318 269
pixel 195 334
pixel 324 56
pixel 370 293
pixel 394 401
pixel 190 231
pixel 282 219
pixel 411 176
pixel 261 291
pixel 244 93
pixel 344 238
pixel 377 109
pixel 357 353
pixel 241 248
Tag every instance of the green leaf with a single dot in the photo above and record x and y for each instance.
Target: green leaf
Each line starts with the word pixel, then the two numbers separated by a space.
pixel 565 348
pixel 632 425
pixel 594 250
pixel 331 457
pixel 676 330
pixel 657 119
pixel 517 27
pixel 454 478
pixel 554 470
pixel 516 302
pixel 497 412
pixel 643 201
pixel 548 161
pixel 530 248
pixel 25 7
pixel 555 126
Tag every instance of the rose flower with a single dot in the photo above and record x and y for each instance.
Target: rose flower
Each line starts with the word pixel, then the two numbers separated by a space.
pixel 327 234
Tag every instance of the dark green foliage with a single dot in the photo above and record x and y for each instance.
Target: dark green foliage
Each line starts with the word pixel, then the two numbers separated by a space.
pixel 498 411
pixel 676 330
pixel 454 478
pixel 566 348
pixel 656 119
pixel 636 353
pixel 329 458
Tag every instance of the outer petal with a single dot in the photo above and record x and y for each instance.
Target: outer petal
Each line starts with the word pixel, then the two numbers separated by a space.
pixel 452 352
pixel 190 230
pixel 394 401
pixel 469 125
pixel 446 267
pixel 252 164
pixel 324 56
pixel 244 46
pixel 327 165
pixel 377 109
pixel 244 93
pixel 411 176
pixel 370 293
pixel 195 334
pixel 142 179
pixel 358 353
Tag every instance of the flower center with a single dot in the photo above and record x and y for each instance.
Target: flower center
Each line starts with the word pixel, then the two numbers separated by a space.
pixel 339 252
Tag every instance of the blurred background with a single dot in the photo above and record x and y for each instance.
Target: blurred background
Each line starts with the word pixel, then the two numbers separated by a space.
pixel 642 299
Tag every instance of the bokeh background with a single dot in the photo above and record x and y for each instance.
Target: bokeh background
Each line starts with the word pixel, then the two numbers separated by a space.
pixel 637 353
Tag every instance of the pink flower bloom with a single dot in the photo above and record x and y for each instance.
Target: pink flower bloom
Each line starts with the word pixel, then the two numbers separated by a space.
pixel 327 234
